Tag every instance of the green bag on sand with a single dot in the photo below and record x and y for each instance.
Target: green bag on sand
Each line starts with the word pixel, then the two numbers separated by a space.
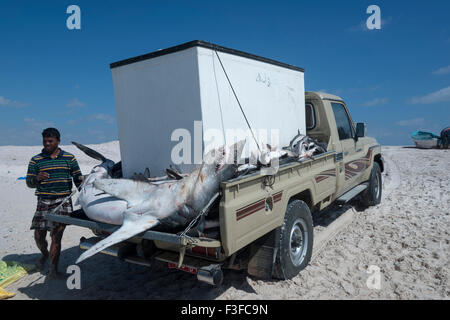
pixel 11 271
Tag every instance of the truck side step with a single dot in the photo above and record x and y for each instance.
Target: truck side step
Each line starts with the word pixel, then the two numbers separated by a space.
pixel 346 197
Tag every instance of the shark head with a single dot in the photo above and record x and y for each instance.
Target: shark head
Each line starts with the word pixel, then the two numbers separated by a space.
pixel 218 165
pixel 234 153
pixel 107 165
pixel 220 159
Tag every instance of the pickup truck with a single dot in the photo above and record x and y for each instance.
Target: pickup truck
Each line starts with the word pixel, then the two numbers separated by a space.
pixel 266 221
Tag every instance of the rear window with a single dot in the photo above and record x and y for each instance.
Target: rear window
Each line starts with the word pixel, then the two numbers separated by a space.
pixel 310 116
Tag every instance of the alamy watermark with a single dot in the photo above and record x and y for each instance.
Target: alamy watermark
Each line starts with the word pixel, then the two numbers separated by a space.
pixel 74 280
pixel 189 148
pixel 374 21
pixel 374 280
pixel 73 22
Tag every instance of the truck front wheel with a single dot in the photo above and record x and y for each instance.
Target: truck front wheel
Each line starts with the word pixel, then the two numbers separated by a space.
pixel 295 242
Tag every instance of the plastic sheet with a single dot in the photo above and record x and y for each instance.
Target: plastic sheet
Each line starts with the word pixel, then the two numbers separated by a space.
pixel 5 294
pixel 11 271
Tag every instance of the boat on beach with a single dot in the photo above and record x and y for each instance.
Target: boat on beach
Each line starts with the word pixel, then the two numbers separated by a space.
pixel 425 140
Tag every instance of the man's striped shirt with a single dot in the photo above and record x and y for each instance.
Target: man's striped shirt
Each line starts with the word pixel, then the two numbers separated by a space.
pixel 61 170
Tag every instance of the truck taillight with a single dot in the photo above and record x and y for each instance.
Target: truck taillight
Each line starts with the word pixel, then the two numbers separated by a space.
pixel 208 252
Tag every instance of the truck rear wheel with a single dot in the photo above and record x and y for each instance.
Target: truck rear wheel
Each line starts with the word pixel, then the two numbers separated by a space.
pixel 372 195
pixel 295 242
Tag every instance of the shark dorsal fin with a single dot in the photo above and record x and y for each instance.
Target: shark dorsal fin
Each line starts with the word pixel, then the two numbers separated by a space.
pixel 88 151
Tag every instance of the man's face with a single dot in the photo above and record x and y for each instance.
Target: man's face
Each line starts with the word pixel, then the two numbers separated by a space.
pixel 50 144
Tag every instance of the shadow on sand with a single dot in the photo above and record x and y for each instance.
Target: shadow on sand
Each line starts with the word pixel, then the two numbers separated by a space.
pixel 105 277
pixel 329 215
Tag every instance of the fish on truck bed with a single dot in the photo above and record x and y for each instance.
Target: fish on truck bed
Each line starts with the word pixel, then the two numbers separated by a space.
pixel 148 204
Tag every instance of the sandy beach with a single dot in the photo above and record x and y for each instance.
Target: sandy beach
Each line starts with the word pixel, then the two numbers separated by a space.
pixel 407 237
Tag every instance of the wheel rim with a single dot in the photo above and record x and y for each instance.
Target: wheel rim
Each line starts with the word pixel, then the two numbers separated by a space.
pixel 377 186
pixel 298 242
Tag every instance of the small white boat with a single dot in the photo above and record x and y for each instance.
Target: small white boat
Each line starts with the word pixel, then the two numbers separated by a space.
pixel 425 140
pixel 426 144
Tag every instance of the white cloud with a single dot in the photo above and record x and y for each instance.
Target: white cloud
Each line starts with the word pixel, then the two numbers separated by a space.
pixel 361 89
pixel 93 117
pixel 411 122
pixel 4 102
pixel 102 117
pixel 375 102
pixel 359 27
pixel 442 95
pixel 443 70
pixel 75 103
pixel 72 122
pixel 38 123
pixel 363 25
pixel 98 134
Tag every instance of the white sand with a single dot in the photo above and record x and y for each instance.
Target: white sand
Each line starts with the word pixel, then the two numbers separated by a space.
pixel 407 237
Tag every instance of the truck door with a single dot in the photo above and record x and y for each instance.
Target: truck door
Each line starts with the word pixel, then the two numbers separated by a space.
pixel 350 169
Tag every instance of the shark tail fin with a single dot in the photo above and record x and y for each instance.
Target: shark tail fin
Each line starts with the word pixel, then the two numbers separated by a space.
pixel 88 151
pixel 129 228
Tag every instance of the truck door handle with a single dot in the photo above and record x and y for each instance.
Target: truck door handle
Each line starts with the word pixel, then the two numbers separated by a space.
pixel 338 157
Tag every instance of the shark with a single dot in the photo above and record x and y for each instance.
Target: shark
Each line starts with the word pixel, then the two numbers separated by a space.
pixel 96 204
pixel 148 204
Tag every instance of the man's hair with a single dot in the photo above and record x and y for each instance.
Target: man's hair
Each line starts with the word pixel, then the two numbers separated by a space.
pixel 51 132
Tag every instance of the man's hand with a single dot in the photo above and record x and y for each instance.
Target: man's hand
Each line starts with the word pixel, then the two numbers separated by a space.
pixel 42 176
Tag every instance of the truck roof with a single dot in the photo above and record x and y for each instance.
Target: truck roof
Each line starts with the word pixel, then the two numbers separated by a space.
pixel 323 95
pixel 203 44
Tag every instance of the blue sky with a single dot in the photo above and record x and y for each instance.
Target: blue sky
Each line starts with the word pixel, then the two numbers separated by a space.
pixel 396 79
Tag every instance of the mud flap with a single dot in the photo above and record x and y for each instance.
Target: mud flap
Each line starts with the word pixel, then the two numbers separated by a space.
pixel 262 255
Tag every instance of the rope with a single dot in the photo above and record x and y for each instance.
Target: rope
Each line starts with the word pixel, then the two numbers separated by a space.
pixel 237 99
pixel 194 221
pixel 71 195
pixel 220 104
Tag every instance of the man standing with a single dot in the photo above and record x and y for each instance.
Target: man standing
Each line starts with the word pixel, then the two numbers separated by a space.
pixel 51 173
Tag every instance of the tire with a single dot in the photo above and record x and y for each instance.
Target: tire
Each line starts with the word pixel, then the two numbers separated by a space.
pixel 372 195
pixel 294 253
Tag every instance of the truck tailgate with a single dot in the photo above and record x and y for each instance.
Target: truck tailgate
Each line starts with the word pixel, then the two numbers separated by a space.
pixel 149 235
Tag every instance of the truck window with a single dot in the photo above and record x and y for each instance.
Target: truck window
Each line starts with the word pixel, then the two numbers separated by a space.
pixel 310 116
pixel 345 129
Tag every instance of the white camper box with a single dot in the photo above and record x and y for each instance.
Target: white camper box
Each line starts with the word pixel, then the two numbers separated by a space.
pixel 160 92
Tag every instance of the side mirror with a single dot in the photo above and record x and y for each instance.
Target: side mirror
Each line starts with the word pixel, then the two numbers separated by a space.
pixel 360 130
